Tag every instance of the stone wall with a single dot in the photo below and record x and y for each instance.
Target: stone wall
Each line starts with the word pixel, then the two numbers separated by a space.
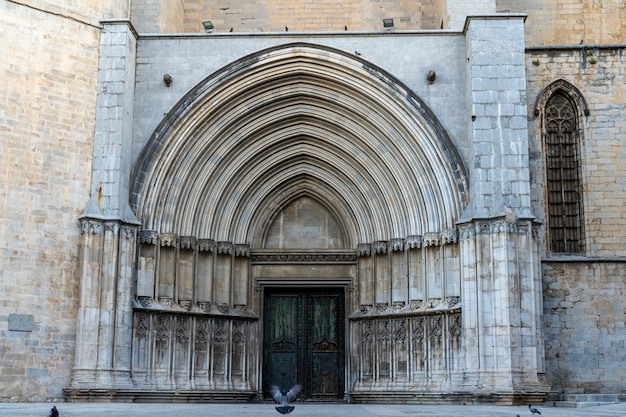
pixel 282 15
pixel 584 326
pixel 599 75
pixel 445 54
pixel 569 22
pixel 584 298
pixel 47 106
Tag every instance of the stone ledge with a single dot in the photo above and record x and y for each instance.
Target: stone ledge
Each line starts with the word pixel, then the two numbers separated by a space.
pixel 464 398
pixel 169 396
pixel 585 400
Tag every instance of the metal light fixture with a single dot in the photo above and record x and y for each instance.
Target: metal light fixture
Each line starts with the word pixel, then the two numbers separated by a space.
pixel 167 79
pixel 431 76
pixel 388 23
pixel 208 26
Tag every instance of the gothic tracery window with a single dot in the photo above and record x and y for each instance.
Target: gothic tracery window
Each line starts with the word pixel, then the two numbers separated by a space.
pixel 565 225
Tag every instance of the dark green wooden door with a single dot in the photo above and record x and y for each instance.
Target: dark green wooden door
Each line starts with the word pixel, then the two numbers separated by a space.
pixel 304 342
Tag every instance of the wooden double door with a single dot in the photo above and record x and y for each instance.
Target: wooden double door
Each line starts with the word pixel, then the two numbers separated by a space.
pixel 304 342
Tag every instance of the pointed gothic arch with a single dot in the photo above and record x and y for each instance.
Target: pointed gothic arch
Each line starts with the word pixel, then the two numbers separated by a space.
pixel 288 124
pixel 561 106
pixel 293 112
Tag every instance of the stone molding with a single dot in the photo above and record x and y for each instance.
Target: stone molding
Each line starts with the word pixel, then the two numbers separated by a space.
pixel 278 257
pixel 100 227
pixel 413 308
pixel 168 305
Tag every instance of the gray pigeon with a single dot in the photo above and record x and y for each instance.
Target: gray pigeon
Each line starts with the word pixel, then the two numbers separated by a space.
pixel 533 409
pixel 53 412
pixel 285 399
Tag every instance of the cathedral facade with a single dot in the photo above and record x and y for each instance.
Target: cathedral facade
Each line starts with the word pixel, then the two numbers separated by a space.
pixel 398 201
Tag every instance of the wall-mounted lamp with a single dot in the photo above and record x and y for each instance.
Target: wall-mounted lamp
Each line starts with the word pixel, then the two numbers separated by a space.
pixel 208 26
pixel 388 23
pixel 431 76
pixel 167 79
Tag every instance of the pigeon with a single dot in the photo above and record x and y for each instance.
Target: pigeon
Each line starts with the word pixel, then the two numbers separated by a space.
pixel 285 399
pixel 533 409
pixel 53 412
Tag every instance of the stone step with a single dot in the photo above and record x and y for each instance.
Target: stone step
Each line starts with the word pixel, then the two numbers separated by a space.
pixel 605 398
pixel 580 404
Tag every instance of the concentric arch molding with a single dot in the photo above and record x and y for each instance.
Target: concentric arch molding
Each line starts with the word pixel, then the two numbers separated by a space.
pixel 299 119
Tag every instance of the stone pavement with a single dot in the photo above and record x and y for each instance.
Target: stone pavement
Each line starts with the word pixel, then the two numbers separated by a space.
pixel 301 410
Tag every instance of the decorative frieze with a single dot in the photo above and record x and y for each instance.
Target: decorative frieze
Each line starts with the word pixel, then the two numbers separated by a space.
pixel 148 237
pixel 112 227
pixel 168 239
pixel 414 241
pixel 187 242
pixel 448 236
pixel 145 301
pixel 416 305
pixel 366 309
pixel 398 305
pixel 93 227
pixel 242 250
pixel 396 244
pixel 224 248
pixel 381 307
pixel 536 229
pixel 165 302
pixel 182 330
pixel 206 245
pixel 128 232
pixel 452 302
pixel 381 246
pixel 412 349
pixel 303 258
pixel 401 308
pixel 467 231
pixel 218 348
pixel 364 249
pixel 432 239
pixel 495 226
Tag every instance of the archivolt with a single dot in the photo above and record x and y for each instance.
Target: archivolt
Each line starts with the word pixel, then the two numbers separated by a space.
pixel 292 120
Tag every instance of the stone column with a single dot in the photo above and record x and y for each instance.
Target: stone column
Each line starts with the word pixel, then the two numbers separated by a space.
pixel 499 285
pixel 241 277
pixel 123 306
pixel 103 336
pixel 109 226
